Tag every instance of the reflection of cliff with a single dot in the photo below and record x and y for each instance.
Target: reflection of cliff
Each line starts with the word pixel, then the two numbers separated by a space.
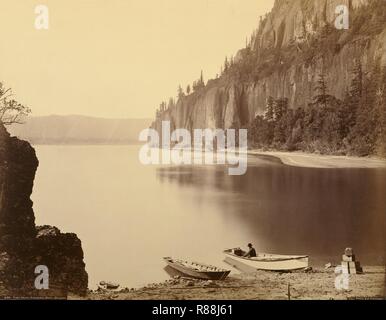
pixel 284 59
pixel 295 210
pixel 23 246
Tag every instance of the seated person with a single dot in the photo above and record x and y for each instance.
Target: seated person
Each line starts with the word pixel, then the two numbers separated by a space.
pixel 251 251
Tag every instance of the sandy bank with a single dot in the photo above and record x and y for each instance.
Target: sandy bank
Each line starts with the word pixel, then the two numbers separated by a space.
pixel 316 284
pixel 307 160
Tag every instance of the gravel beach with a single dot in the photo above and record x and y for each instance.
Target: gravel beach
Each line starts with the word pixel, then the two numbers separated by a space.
pixel 317 284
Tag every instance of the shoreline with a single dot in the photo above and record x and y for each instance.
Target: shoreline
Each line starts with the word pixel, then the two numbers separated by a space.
pixel 311 160
pixel 316 284
pixel 293 159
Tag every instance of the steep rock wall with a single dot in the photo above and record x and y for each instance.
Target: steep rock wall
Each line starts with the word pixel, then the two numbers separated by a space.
pixel 23 246
pixel 226 103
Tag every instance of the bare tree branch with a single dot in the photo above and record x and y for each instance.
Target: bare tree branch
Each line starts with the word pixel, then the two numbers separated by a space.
pixel 11 111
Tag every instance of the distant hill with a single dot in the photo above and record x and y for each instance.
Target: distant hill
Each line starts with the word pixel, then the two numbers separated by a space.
pixel 75 129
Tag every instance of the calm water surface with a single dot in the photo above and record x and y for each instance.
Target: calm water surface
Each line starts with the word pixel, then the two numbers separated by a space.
pixel 129 216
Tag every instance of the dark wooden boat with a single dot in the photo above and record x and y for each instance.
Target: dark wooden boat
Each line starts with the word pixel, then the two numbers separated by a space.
pixel 197 270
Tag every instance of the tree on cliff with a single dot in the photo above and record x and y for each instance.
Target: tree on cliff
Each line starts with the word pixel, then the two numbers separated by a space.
pixel 280 109
pixel 355 96
pixel 363 134
pixel 380 124
pixel 321 91
pixel 323 120
pixel 226 64
pixel 269 115
pixel 180 92
pixel 171 103
pixel 260 132
pixel 199 84
pixel 11 111
pixel 202 78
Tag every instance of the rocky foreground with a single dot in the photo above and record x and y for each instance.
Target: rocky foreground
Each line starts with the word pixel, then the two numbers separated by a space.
pixel 316 284
pixel 25 246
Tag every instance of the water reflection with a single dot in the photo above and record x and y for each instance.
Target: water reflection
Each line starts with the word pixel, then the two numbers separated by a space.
pixel 297 210
pixel 129 216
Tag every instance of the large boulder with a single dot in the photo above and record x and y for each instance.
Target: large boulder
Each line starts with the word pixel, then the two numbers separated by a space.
pixel 23 246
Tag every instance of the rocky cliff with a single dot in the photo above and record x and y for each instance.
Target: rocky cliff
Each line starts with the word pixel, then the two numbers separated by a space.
pixel 293 44
pixel 23 246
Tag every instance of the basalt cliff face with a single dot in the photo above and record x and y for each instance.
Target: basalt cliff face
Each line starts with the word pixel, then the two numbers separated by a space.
pixel 284 59
pixel 24 246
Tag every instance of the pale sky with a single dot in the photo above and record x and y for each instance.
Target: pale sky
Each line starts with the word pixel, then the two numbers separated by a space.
pixel 117 58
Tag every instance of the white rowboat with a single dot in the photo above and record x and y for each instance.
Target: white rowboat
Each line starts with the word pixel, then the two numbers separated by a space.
pixel 265 261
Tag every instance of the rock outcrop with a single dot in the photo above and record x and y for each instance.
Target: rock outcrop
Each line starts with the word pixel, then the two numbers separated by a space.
pixel 296 20
pixel 23 246
pixel 288 34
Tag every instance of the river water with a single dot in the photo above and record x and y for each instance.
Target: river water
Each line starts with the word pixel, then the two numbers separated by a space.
pixel 129 216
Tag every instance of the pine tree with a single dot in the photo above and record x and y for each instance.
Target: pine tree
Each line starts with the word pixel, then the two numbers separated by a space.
pixel 380 110
pixel 194 86
pixel 180 92
pixel 356 94
pixel 199 84
pixel 260 132
pixel 357 81
pixel 188 89
pixel 295 138
pixel 280 111
pixel 226 64
pixel 363 134
pixel 269 114
pixel 280 107
pixel 162 106
pixel 311 125
pixel 171 103
pixel 321 91
pixel 346 115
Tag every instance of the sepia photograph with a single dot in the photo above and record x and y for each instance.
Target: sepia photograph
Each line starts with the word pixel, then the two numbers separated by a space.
pixel 210 150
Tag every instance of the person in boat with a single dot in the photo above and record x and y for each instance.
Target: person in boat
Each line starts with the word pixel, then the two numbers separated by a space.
pixel 251 251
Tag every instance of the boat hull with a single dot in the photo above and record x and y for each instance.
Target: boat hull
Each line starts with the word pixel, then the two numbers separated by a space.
pixel 280 263
pixel 209 275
